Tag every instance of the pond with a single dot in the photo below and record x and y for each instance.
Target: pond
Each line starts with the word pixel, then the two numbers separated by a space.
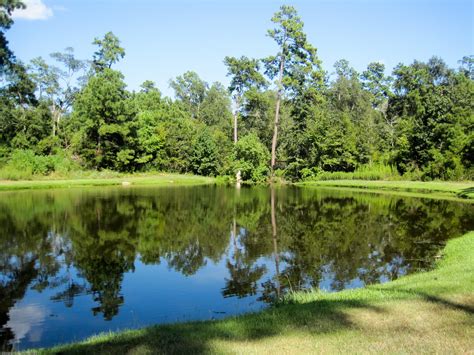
pixel 75 262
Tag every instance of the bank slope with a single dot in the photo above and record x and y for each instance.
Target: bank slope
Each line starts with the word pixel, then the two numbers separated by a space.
pixel 464 190
pixel 125 180
pixel 430 312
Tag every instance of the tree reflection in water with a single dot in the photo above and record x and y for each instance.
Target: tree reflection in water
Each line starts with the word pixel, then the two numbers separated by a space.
pixel 80 242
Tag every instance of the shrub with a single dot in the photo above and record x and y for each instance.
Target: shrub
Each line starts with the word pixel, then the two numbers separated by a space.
pixel 251 158
pixel 364 172
pixel 24 164
pixel 445 166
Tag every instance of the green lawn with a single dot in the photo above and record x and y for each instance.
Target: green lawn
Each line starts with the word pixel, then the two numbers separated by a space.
pixel 136 179
pixel 430 312
pixel 438 188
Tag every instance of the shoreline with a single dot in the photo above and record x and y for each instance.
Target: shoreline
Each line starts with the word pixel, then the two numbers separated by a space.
pixel 159 179
pixel 428 311
pixel 460 191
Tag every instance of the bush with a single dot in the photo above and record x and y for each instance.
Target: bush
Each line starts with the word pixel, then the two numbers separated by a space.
pixel 25 164
pixel 445 166
pixel 364 172
pixel 224 180
pixel 4 155
pixel 251 158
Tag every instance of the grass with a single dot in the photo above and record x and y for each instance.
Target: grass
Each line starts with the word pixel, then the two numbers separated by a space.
pixel 430 312
pixel 364 172
pixel 135 179
pixel 463 190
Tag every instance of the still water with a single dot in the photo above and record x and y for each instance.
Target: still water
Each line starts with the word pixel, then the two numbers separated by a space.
pixel 81 261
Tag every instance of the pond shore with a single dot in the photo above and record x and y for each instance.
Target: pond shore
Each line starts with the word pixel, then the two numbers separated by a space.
pixel 160 179
pixel 428 312
pixel 442 189
pixel 463 190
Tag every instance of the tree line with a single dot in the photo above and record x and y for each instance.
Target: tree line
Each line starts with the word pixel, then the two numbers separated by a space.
pixel 281 116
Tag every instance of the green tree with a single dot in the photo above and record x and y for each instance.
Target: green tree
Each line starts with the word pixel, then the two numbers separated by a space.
pixel 191 91
pixel 352 104
pixel 108 53
pixel 27 129
pixel 296 65
pixel 57 85
pixel 104 115
pixel 467 66
pixel 178 134
pixel 245 75
pixel 215 108
pixel 332 142
pixel 16 91
pixel 6 9
pixel 154 122
pixel 378 84
pixel 258 114
pixel 148 98
pixel 434 110
pixel 251 158
pixel 17 88
pixel 204 159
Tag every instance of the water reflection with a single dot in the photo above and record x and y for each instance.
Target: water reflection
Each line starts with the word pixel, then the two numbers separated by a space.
pixel 79 244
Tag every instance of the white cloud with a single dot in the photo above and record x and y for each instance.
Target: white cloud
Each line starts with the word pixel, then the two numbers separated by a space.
pixel 26 320
pixel 35 10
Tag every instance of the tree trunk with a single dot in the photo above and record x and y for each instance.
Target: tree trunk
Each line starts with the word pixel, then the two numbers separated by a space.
pixel 238 100
pixel 54 113
pixel 275 243
pixel 59 114
pixel 275 132
pixel 235 127
pixel 236 113
pixel 277 114
pixel 234 235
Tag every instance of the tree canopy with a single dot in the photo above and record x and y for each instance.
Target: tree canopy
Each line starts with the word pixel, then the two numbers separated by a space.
pixel 62 113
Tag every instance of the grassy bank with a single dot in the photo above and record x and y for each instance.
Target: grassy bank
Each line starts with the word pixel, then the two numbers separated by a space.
pixel 429 312
pixel 136 179
pixel 440 188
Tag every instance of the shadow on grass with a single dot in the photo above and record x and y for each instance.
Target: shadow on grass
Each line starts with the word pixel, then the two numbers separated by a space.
pixel 434 299
pixel 466 193
pixel 316 317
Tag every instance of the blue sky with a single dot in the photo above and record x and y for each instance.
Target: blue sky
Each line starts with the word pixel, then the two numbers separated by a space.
pixel 164 39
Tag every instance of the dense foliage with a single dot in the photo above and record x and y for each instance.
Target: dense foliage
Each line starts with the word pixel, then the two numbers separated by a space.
pixel 417 123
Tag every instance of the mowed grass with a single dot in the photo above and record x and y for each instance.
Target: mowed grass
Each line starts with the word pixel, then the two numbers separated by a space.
pixel 137 179
pixel 430 312
pixel 463 190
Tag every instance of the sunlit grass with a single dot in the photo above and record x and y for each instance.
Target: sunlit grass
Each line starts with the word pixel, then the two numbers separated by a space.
pixel 106 180
pixel 430 312
pixel 448 188
pixel 364 172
